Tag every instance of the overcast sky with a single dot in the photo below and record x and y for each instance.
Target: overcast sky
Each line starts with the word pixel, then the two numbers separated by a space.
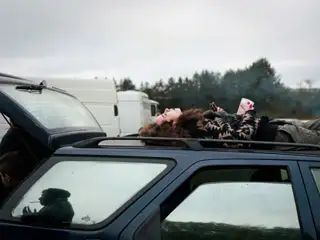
pixel 149 40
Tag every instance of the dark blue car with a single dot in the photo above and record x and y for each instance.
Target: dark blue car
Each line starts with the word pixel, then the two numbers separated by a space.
pixel 95 188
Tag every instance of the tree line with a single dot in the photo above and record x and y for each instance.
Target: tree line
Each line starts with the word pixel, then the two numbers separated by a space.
pixel 258 81
pixel 220 231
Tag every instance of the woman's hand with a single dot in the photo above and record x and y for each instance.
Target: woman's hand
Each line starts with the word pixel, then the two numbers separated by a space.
pixel 215 108
pixel 26 210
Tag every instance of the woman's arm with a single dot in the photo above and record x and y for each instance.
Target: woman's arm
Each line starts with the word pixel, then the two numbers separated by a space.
pixel 219 128
pixel 230 118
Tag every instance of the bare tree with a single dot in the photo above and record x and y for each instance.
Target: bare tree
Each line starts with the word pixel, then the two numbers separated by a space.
pixel 309 82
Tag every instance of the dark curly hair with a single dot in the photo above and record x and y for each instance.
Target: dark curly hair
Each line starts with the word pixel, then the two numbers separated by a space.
pixel 188 125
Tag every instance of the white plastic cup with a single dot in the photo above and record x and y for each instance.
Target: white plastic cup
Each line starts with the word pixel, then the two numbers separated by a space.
pixel 245 105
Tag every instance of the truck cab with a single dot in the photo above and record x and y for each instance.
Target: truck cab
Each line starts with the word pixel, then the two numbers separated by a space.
pixel 134 111
pixel 154 106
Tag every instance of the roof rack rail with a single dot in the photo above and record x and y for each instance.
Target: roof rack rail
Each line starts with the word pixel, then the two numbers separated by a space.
pixel 10 76
pixel 192 143
pixel 132 135
pixel 94 142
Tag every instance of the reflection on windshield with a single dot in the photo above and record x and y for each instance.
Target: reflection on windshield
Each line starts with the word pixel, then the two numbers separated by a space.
pixel 53 109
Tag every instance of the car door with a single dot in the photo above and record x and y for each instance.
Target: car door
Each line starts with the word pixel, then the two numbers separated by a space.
pixel 229 199
pixel 311 176
pixel 106 189
pixel 14 111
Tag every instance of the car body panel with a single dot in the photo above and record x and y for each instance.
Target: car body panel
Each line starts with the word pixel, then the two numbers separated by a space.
pixel 135 215
pixel 311 188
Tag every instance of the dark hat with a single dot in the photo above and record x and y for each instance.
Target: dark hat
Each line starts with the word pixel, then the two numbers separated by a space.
pixel 56 193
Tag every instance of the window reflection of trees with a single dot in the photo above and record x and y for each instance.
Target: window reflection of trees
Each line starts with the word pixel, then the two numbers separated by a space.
pixel 235 211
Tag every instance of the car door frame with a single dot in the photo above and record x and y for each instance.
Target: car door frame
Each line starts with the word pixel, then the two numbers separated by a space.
pixel 113 229
pixel 149 218
pixel 312 190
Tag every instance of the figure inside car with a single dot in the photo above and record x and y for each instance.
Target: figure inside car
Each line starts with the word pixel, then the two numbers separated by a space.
pixel 56 210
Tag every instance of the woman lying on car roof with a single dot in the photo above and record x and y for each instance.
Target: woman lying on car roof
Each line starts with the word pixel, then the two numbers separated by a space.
pixel 217 124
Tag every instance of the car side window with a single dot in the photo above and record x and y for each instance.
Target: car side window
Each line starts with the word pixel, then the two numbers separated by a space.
pixel 153 110
pixel 316 176
pixel 239 203
pixel 85 192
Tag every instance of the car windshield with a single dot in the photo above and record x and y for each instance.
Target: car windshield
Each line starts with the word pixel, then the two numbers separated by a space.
pixel 52 109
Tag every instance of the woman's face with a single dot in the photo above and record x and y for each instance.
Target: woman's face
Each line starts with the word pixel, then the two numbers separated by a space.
pixel 169 115
pixel 6 180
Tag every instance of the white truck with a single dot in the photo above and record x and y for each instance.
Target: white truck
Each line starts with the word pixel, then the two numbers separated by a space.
pixel 98 95
pixel 134 111
pixel 154 105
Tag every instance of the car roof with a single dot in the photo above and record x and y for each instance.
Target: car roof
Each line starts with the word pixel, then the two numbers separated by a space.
pixel 211 149
pixel 7 78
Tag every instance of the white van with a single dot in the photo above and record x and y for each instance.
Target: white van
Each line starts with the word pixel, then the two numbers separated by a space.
pixel 98 95
pixel 154 106
pixel 134 111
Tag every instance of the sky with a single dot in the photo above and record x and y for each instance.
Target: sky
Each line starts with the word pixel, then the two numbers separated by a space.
pixel 149 40
pixel 239 203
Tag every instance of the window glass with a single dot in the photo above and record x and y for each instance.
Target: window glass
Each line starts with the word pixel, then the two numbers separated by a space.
pixel 115 110
pixel 153 110
pixel 316 176
pixel 84 192
pixel 238 208
pixel 53 109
